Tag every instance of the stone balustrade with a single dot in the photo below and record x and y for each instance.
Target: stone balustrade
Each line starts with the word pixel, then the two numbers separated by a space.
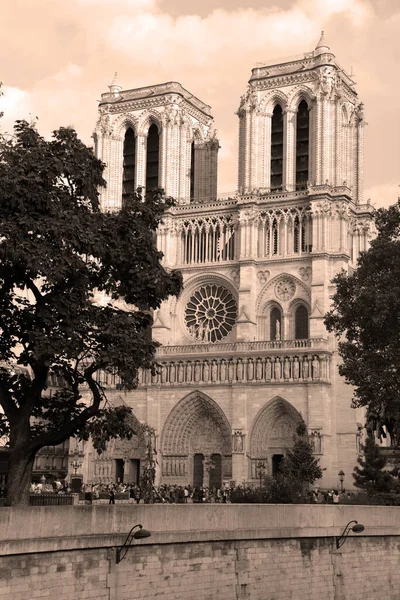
pixel 302 368
pixel 242 347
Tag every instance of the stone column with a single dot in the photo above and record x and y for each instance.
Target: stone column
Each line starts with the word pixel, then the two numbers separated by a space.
pixel 289 149
pixel 141 151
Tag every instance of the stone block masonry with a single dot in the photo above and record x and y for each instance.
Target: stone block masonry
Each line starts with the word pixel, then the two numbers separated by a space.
pixel 224 552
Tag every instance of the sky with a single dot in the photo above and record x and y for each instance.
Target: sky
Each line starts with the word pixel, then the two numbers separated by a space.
pixel 57 57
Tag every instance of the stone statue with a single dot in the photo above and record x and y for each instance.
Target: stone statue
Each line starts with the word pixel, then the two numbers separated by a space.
pixel 315 368
pixel 172 373
pixel 296 371
pixel 250 370
pixel 305 367
pixel 163 373
pixel 268 370
pixel 278 330
pixel 277 369
pixel 206 371
pixel 231 372
pixel 222 370
pixel 154 377
pixel 286 369
pixel 259 369
pixel 214 371
pixel 315 441
pixel 238 441
pixel 197 371
pixel 181 372
pixel 239 369
pixel 189 371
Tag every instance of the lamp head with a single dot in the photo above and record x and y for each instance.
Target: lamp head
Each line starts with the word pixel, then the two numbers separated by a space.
pixel 141 533
pixel 358 528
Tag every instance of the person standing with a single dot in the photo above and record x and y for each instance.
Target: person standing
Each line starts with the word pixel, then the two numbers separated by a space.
pixel 111 494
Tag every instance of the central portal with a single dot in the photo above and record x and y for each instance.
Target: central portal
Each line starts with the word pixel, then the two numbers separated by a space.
pixel 197 444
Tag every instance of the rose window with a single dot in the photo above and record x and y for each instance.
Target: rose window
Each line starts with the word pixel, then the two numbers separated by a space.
pixel 210 314
pixel 285 289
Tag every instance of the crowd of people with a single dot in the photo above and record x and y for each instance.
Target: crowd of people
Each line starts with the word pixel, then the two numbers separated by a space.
pixel 330 496
pixel 167 494
pixel 163 494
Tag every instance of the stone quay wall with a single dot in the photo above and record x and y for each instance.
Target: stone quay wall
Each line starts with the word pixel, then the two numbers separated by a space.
pixel 210 552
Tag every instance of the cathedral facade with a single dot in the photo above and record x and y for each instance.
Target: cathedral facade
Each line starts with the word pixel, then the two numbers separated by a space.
pixel 244 348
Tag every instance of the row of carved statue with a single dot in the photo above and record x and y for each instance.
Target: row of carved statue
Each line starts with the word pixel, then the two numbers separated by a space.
pixel 288 368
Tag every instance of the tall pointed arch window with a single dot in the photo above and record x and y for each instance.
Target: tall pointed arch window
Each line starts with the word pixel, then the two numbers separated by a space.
pixel 302 145
pixel 275 324
pixel 301 323
pixel 277 148
pixel 152 158
pixel 128 177
pixel 275 237
pixel 192 169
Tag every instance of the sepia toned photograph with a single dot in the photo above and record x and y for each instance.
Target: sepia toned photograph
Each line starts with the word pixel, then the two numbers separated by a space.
pixel 199 300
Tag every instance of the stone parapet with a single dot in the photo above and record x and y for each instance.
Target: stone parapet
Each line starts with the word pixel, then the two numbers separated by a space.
pixel 50 528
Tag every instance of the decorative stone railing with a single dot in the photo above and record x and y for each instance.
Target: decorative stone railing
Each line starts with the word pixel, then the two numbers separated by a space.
pixel 299 368
pixel 242 347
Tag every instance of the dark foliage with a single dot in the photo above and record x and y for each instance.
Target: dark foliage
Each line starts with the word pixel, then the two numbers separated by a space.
pixel 371 475
pixel 366 318
pixel 57 252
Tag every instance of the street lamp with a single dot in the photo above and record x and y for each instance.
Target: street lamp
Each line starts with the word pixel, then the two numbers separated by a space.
pixel 341 478
pixel 357 528
pixel 76 464
pixel 139 534
pixel 261 468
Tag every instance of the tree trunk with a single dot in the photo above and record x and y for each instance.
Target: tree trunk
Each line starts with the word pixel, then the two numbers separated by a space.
pixel 19 477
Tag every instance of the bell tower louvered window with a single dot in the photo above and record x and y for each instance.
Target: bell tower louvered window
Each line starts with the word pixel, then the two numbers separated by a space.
pixel 192 168
pixel 277 148
pixel 152 158
pixel 128 179
pixel 302 145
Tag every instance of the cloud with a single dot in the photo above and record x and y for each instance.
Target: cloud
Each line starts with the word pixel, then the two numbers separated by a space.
pixel 64 56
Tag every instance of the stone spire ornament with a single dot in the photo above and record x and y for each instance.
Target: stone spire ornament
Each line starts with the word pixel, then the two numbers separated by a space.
pixel 114 86
pixel 322 46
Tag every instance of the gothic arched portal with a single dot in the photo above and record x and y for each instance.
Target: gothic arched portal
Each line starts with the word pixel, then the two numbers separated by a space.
pixel 122 460
pixel 272 433
pixel 196 443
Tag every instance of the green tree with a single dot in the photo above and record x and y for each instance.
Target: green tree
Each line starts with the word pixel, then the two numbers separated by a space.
pixel 370 475
pixel 299 465
pixel 57 252
pixel 365 316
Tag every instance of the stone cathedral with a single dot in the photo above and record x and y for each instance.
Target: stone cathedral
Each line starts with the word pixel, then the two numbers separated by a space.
pixel 244 348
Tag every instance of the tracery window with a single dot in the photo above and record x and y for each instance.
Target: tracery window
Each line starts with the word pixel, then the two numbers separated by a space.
pixel 302 145
pixel 210 313
pixel 208 239
pixel 277 148
pixel 128 177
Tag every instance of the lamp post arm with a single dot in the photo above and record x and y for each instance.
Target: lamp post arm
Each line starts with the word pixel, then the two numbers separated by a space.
pixel 122 551
pixel 341 540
